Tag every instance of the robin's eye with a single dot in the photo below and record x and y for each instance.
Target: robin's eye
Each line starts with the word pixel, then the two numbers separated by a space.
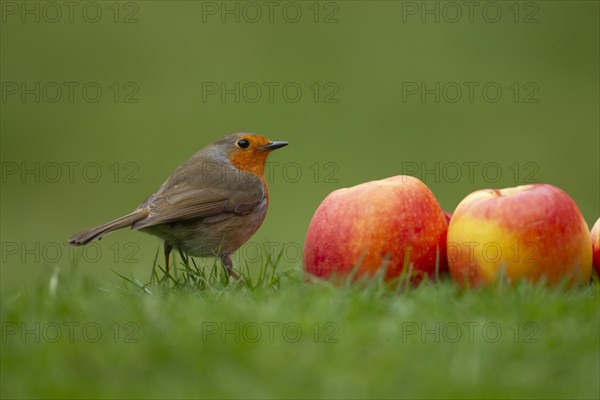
pixel 243 143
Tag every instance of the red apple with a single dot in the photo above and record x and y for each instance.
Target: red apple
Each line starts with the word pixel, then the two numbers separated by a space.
pixel 595 233
pixel 388 223
pixel 531 232
pixel 448 216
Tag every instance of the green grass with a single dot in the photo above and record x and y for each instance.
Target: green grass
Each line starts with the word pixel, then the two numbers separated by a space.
pixel 194 334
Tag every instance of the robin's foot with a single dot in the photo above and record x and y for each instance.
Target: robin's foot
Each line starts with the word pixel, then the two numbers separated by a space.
pixel 168 249
pixel 228 265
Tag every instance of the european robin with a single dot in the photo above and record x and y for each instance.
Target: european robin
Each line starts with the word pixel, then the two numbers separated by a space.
pixel 209 206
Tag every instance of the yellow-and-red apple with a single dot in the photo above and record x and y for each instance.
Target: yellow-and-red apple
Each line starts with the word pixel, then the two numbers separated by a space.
pixel 595 233
pixel 390 223
pixel 532 232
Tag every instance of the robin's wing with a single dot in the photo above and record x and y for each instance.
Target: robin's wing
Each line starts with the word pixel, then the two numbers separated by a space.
pixel 184 202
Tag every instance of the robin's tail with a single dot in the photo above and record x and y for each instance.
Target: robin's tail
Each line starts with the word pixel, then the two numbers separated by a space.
pixel 99 231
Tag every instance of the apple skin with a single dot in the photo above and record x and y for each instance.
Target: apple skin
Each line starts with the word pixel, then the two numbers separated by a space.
pixel 448 216
pixel 595 234
pixel 529 232
pixel 373 224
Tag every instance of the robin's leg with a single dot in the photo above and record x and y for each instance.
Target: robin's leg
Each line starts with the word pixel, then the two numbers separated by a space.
pixel 228 265
pixel 168 249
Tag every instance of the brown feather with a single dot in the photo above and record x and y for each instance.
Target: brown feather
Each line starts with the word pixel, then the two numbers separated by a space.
pixel 99 231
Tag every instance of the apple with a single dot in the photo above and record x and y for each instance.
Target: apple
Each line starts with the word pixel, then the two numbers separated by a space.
pixel 595 233
pixel 387 223
pixel 448 216
pixel 531 232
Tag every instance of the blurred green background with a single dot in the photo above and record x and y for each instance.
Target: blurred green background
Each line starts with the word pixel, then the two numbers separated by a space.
pixel 367 72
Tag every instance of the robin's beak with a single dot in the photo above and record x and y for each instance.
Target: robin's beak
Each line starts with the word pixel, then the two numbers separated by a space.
pixel 273 145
